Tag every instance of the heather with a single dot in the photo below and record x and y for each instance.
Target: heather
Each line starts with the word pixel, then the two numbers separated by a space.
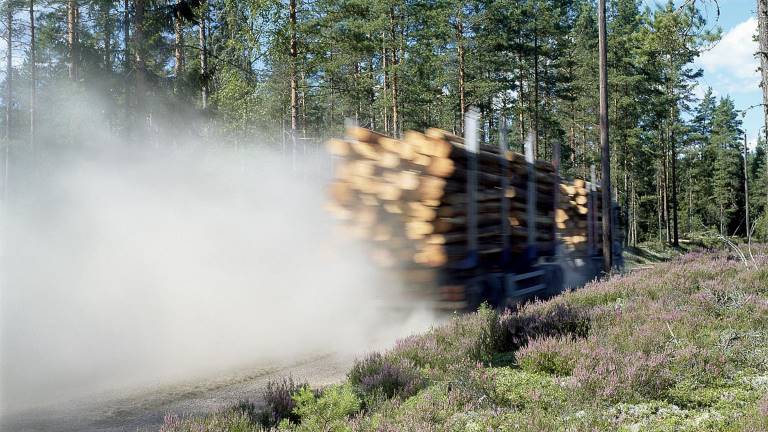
pixel 682 346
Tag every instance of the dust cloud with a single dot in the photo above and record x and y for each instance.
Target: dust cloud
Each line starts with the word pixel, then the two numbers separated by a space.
pixel 125 266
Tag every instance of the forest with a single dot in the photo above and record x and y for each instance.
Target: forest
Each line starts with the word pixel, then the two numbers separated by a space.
pixel 272 73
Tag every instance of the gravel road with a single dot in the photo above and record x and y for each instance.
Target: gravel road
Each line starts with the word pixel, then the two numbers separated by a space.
pixel 144 409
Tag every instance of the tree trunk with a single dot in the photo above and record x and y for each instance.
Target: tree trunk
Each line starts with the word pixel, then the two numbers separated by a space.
pixel 672 145
pixel 667 221
pixel 72 42
pixel 140 58
pixel 126 39
pixel 8 104
pixel 294 56
pixel 460 49
pixel 384 92
pixel 107 17
pixel 746 191
pixel 762 32
pixel 203 40
pixel 178 31
pixel 395 119
pixel 606 149
pixel 32 76
pixel 9 77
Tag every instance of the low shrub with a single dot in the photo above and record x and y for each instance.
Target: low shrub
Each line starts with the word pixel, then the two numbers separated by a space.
pixel 377 376
pixel 523 390
pixel 278 398
pixel 541 320
pixel 614 376
pixel 328 411
pixel 549 355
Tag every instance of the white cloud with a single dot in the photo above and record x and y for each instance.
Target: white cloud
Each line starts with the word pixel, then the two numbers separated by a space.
pixel 731 65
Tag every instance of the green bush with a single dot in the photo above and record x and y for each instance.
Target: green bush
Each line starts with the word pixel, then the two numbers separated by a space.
pixel 327 412
pixel 523 390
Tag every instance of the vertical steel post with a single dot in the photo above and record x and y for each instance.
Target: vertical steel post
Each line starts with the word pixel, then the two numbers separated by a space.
pixel 556 165
pixel 592 213
pixel 530 159
pixel 471 121
pixel 505 227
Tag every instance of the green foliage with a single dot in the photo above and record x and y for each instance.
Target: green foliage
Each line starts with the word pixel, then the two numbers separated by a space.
pixel 523 390
pixel 327 412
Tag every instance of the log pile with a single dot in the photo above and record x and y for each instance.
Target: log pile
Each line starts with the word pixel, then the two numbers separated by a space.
pixel 408 198
pixel 574 215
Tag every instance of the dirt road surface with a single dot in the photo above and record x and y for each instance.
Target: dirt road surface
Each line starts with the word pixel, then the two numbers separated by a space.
pixel 144 409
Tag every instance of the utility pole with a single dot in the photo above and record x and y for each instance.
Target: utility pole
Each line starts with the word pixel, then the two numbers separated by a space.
pixel 606 156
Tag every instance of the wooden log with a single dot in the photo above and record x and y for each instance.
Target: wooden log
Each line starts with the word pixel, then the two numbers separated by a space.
pixel 364 135
pixel 338 147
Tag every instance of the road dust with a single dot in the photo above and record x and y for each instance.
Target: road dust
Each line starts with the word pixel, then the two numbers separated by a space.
pixel 127 266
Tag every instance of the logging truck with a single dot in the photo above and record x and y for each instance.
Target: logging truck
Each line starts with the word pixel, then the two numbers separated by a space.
pixel 461 223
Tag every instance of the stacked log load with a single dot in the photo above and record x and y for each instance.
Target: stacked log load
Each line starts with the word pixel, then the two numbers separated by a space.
pixel 408 199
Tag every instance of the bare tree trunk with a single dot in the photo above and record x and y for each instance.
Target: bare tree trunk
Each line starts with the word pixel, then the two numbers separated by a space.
pixel 178 31
pixel 126 39
pixel 385 111
pixel 395 124
pixel 8 104
pixel 762 27
pixel 106 15
pixel 9 77
pixel 372 96
pixel 72 42
pixel 203 39
pixel 32 76
pixel 660 203
pixel 139 58
pixel 294 56
pixel 676 236
pixel 746 191
pixel 667 220
pixel 460 48
pixel 606 149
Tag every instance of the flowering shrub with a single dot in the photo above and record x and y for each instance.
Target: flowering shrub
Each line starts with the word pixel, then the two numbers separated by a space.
pixel 377 376
pixel 550 355
pixel 544 320
pixel 278 398
pixel 616 376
